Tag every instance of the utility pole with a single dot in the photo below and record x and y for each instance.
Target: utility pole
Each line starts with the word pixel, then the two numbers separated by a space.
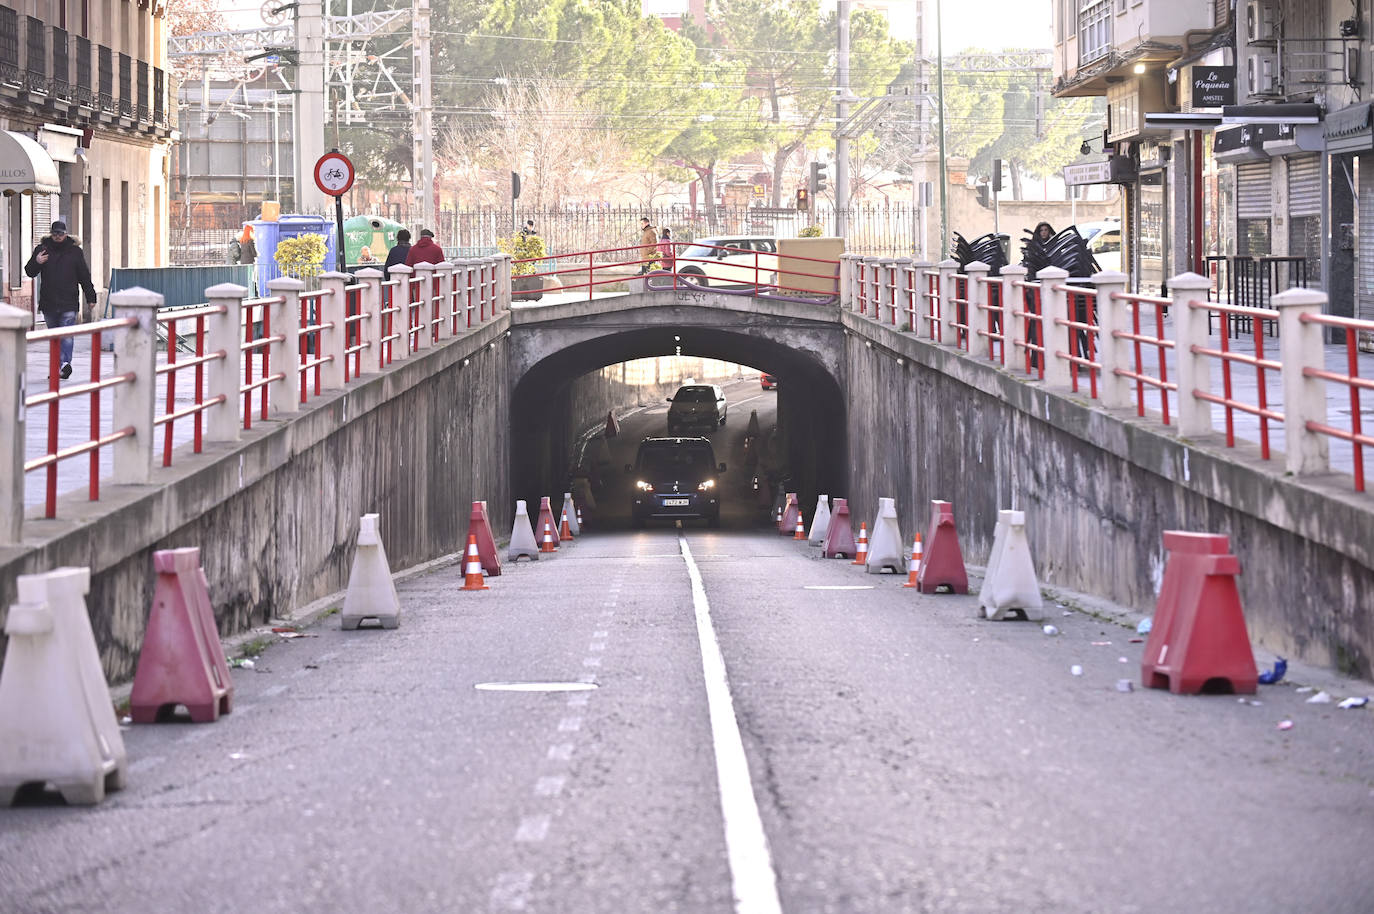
pixel 307 134
pixel 422 121
pixel 943 176
pixel 842 113
pixel 920 90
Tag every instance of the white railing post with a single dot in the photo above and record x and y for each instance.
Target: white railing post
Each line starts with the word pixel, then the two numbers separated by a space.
pixel 1194 372
pixel 426 272
pixel 887 287
pixel 285 355
pixel 333 340
pixel 400 321
pixel 14 327
pixel 949 314
pixel 1304 398
pixel 1054 307
pixel 443 277
pixel 223 376
pixel 1013 300
pixel 978 343
pixel 135 350
pixel 1113 315
pixel 847 281
pixel 502 299
pixel 370 329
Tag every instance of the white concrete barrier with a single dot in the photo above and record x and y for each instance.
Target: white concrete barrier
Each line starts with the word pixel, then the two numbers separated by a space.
pixel 1010 582
pixel 885 542
pixel 371 591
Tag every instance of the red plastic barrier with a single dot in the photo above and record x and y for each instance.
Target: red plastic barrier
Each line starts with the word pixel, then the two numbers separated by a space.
pixel 546 516
pixel 182 661
pixel 612 427
pixel 479 526
pixel 1198 641
pixel 791 510
pixel 943 562
pixel 839 536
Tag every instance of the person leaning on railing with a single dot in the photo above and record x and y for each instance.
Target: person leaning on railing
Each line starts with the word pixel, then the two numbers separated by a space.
pixel 63 273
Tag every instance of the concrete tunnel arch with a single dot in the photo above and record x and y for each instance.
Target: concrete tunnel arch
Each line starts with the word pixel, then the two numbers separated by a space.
pixel 812 411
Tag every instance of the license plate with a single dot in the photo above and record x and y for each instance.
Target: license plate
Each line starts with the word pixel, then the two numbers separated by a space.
pixel 676 502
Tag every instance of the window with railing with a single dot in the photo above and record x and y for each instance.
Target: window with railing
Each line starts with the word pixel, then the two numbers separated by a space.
pixel 142 100
pixel 35 76
pixel 1094 31
pixel 126 86
pixel 83 72
pixel 106 72
pixel 159 97
pixel 9 46
pixel 61 66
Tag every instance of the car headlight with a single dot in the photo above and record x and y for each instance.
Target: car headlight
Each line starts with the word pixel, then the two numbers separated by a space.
pixel 706 486
pixel 643 486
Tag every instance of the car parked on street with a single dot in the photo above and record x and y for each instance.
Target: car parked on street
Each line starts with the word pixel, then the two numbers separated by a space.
pixel 675 479
pixel 1104 243
pixel 732 260
pixel 696 406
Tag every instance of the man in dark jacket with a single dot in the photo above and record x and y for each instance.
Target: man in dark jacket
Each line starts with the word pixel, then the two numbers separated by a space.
pixel 398 252
pixel 63 274
pixel 425 250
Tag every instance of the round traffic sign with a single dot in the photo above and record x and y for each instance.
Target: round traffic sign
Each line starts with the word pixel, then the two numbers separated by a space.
pixel 334 174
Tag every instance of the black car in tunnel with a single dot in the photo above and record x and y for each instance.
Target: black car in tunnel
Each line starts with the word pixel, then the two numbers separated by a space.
pixel 675 479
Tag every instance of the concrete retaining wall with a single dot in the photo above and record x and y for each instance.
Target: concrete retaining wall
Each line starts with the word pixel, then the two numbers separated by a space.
pixel 276 515
pixel 1099 488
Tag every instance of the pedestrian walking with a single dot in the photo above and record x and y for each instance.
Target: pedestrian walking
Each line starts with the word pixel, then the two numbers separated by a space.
pixel 62 271
pixel 425 250
pixel 248 248
pixel 648 243
pixel 528 230
pixel 665 250
pixel 399 251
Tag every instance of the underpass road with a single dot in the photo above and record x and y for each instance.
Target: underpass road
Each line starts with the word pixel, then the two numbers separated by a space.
pixel 903 757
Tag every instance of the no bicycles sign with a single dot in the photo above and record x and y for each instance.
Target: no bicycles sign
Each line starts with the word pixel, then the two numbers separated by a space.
pixel 334 174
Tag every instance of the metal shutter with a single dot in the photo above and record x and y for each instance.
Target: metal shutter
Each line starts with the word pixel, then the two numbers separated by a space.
pixel 1253 190
pixel 42 215
pixel 1365 295
pixel 1305 185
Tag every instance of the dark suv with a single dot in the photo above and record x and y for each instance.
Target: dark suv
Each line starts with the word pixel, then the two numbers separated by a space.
pixel 696 406
pixel 675 479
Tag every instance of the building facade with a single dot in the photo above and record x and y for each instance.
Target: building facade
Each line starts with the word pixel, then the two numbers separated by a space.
pixel 84 93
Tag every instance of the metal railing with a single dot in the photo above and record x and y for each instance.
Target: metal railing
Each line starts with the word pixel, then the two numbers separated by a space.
pixel 236 361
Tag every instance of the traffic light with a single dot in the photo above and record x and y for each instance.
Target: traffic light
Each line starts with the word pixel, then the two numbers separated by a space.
pixel 803 199
pixel 997 175
pixel 817 180
pixel 984 198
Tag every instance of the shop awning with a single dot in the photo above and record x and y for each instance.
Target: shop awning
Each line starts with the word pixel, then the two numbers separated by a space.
pixel 1182 120
pixel 26 168
pixel 1295 113
pixel 1348 130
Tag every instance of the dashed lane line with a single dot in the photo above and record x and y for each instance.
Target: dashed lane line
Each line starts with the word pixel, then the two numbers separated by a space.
pixel 754 882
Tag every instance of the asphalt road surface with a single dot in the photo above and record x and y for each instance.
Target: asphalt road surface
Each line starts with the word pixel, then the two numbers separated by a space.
pixel 872 750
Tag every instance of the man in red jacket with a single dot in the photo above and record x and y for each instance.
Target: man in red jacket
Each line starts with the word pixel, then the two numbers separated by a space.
pixel 425 250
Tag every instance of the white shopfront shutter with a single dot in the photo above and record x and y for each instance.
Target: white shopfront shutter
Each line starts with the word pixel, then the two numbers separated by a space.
pixel 1253 190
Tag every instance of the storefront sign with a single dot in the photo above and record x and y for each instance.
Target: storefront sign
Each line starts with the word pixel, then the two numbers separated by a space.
pixel 1116 170
pixel 1214 87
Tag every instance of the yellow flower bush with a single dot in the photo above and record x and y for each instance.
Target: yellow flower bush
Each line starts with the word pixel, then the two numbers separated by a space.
pixel 301 257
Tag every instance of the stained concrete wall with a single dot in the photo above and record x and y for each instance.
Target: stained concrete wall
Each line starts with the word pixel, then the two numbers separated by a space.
pixel 276 515
pixel 1099 488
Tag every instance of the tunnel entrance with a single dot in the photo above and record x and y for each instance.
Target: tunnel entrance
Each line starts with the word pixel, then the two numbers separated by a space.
pixel 800 440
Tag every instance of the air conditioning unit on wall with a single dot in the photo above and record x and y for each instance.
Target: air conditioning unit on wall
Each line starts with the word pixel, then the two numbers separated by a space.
pixel 1259 21
pixel 1261 74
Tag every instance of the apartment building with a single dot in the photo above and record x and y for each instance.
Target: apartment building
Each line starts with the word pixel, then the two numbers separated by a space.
pixel 86 122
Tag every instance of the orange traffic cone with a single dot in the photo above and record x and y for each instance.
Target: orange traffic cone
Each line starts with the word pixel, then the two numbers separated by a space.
pixel 547 545
pixel 913 565
pixel 801 530
pixel 564 530
pixel 472 571
pixel 861 551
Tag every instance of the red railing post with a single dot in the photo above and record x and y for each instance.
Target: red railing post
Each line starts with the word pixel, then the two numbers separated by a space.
pixel 14 326
pixel 135 403
pixel 1304 397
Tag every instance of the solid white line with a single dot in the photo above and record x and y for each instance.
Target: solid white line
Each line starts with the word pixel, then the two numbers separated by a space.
pixel 751 864
pixel 837 587
pixel 533 828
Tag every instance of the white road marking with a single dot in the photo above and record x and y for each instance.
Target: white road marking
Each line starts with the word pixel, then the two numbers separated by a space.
pixel 325 658
pixel 561 753
pixel 755 884
pixel 748 399
pixel 578 699
pixel 570 725
pixel 587 677
pixel 510 891
pixel 533 687
pixel 600 634
pixel 550 786
pixel 273 691
pixel 532 828
pixel 838 587
pixel 596 646
pixel 591 661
